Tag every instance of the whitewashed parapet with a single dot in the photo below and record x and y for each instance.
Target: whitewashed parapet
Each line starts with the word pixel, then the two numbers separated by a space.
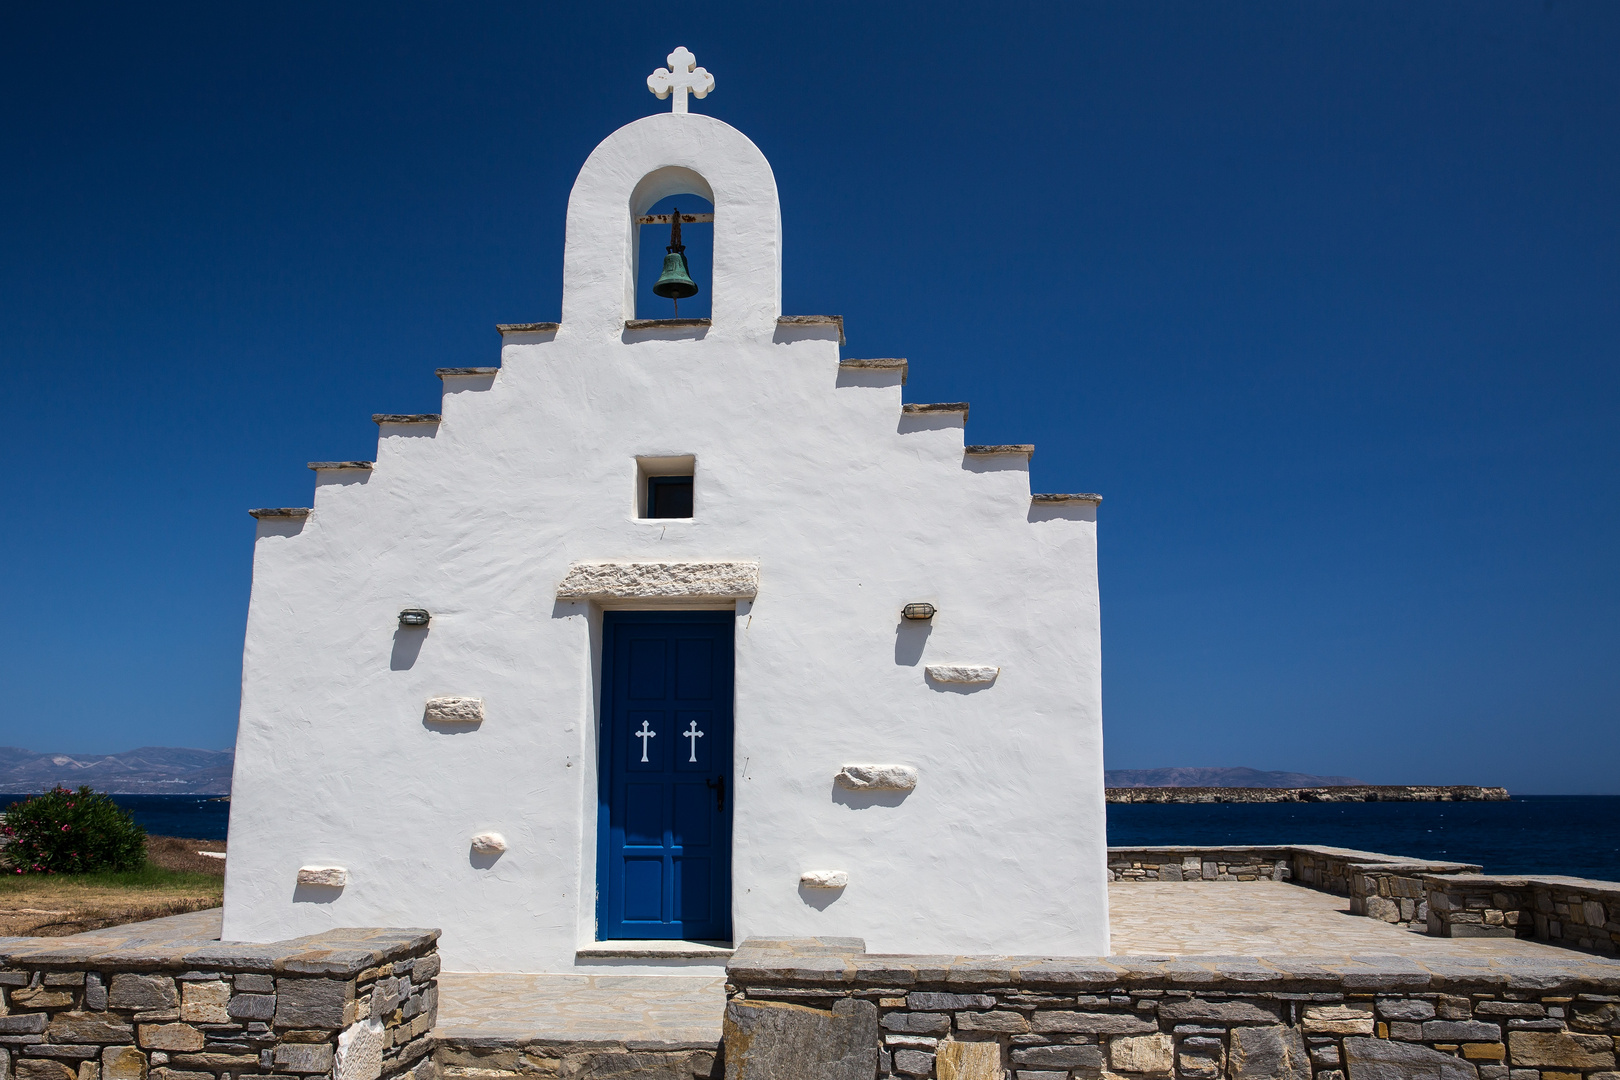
pixel 333 877
pixel 660 580
pixel 877 777
pixel 962 673
pixel 824 879
pixel 455 710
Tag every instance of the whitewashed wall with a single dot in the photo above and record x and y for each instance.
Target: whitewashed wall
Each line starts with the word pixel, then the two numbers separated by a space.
pixel 851 509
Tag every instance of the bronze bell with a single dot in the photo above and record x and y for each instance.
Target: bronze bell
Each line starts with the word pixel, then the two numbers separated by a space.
pixel 676 280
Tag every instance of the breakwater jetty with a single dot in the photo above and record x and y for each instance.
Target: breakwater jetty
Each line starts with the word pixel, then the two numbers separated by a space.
pixel 1355 793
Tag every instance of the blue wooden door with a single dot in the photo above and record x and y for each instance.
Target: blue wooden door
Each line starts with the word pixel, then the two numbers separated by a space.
pixel 664 856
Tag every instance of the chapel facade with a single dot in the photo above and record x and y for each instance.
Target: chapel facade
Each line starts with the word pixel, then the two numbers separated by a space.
pixel 665 633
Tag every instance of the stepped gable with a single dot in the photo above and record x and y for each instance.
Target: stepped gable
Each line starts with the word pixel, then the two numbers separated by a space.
pixel 881 365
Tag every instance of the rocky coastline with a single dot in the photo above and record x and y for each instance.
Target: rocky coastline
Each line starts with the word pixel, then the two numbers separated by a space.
pixel 1337 794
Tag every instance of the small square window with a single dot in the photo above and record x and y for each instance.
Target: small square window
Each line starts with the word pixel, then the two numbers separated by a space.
pixel 664 487
pixel 669 496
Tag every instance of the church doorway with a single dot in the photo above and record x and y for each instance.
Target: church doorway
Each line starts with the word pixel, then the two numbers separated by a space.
pixel 664 849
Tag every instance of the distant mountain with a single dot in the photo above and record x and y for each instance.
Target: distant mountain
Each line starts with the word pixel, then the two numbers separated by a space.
pixel 151 770
pixel 1237 777
pixel 170 770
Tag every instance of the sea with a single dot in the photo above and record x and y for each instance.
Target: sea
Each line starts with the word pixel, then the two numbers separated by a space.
pixel 1577 835
pixel 197 817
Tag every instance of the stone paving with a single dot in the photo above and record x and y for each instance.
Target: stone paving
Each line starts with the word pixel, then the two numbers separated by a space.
pixel 645 1011
pixel 1215 918
pixel 1266 918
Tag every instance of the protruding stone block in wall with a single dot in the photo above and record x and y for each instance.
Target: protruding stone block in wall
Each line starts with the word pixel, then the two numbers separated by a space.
pixel 123 1063
pixel 1272 1052
pixel 489 843
pixel 660 580
pixel 824 879
pixel 332 877
pixel 969 1061
pixel 303 1058
pixel 769 1040
pixel 877 777
pixel 1142 1054
pixel 455 710
pixel 962 673
pixel 205 1002
pixel 40 1069
pixel 1374 1059
pixel 360 1051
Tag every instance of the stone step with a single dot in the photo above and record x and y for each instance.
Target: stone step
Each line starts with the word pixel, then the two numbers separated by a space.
pixel 495 1026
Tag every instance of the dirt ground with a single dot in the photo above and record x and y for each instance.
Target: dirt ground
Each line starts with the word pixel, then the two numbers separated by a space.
pixel 177 880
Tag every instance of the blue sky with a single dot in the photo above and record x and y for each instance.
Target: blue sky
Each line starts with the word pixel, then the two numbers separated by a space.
pixel 1323 297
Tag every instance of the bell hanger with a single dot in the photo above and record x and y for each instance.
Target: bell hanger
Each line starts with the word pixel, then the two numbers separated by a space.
pixel 676 280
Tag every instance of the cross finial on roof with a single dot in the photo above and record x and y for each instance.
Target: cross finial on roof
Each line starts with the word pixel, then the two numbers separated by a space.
pixel 682 75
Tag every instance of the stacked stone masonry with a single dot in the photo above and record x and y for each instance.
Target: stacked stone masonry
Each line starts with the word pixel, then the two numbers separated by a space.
pixel 574 1059
pixel 1566 911
pixel 847 1014
pixel 161 1002
pixel 1448 899
pixel 1387 887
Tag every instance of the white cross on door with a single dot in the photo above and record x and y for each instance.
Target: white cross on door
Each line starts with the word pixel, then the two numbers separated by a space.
pixel 694 734
pixel 644 734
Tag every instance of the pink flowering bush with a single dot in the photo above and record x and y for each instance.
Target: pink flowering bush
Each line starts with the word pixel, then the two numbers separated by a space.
pixel 70 832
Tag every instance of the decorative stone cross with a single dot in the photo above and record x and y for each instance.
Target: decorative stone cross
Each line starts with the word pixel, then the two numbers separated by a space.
pixel 683 75
pixel 644 734
pixel 694 734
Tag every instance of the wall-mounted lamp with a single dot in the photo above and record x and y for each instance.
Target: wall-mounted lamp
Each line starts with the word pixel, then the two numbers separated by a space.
pixel 919 611
pixel 414 616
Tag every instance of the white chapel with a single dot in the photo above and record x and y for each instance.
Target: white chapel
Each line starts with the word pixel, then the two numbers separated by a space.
pixel 665 633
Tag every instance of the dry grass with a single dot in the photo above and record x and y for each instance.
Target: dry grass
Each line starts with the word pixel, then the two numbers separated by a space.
pixel 178 853
pixel 176 880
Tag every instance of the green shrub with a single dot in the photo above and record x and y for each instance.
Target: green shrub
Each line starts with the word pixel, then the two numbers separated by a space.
pixel 71 832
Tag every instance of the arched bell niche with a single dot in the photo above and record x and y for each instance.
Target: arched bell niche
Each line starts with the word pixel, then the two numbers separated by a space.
pixel 672 157
pixel 652 245
pixel 657 193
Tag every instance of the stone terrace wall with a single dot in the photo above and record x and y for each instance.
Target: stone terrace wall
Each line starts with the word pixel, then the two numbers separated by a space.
pixel 1386 887
pixel 1560 910
pixel 525 1057
pixel 1200 864
pixel 160 1001
pixel 1449 899
pixel 822 1007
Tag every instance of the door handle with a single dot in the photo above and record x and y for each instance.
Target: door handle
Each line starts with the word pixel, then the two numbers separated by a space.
pixel 718 786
